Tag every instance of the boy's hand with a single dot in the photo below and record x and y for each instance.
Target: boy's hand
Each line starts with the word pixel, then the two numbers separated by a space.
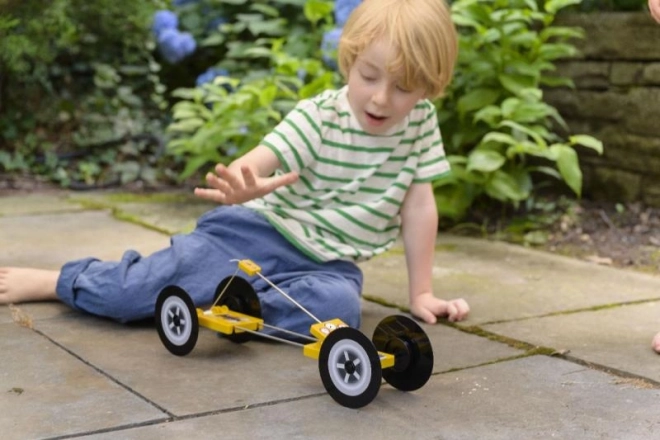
pixel 230 187
pixel 428 308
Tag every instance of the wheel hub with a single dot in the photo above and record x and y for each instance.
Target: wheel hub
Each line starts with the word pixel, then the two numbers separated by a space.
pixel 349 367
pixel 176 320
pixel 402 353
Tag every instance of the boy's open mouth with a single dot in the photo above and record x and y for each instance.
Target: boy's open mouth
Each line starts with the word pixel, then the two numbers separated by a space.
pixel 378 118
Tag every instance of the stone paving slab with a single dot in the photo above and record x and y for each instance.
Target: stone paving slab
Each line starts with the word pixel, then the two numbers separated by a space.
pixel 32 204
pixel 172 213
pixel 530 398
pixel 618 338
pixel 45 391
pixel 505 282
pixel 48 241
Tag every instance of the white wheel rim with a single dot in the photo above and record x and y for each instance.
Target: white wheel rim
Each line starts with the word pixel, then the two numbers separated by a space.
pixel 176 320
pixel 349 367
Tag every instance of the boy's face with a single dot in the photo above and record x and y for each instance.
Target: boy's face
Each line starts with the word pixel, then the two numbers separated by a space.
pixel 375 95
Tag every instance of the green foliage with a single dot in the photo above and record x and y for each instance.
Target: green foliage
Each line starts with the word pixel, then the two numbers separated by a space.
pixel 236 35
pixel 496 126
pixel 74 74
pixel 220 121
pixel 212 124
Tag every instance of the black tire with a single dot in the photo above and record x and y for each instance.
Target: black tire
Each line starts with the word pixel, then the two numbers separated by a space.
pixel 411 347
pixel 240 297
pixel 176 320
pixel 350 367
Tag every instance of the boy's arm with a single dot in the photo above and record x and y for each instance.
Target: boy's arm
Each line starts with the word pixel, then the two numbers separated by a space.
pixel 419 219
pixel 246 178
pixel 654 7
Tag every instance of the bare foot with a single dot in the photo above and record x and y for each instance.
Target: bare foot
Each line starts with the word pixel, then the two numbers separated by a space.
pixel 656 343
pixel 19 285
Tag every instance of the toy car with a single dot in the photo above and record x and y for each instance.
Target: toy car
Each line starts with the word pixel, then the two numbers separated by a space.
pixel 351 366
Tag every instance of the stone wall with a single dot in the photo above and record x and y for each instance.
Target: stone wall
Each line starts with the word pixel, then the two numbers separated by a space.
pixel 616 99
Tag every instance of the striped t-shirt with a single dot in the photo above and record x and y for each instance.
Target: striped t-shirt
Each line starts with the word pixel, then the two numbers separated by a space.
pixel 347 200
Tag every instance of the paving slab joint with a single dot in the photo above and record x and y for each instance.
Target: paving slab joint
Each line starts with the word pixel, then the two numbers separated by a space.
pixel 385 303
pixel 122 215
pixel 626 377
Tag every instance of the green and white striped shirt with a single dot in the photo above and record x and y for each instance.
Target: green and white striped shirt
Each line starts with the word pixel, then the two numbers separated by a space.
pixel 347 200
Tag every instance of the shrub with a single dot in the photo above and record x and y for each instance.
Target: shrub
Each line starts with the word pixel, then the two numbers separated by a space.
pixel 258 79
pixel 496 127
pixel 76 78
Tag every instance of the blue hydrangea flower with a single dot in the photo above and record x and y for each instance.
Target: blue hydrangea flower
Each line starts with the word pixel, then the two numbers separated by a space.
pixel 183 2
pixel 164 19
pixel 175 45
pixel 329 47
pixel 210 75
pixel 343 9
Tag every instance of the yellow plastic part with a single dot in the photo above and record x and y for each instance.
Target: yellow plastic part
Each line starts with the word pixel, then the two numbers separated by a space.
pixel 249 267
pixel 312 350
pixel 386 360
pixel 223 320
pixel 322 329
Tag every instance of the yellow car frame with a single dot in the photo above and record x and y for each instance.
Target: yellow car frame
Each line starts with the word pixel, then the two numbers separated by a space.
pixel 350 364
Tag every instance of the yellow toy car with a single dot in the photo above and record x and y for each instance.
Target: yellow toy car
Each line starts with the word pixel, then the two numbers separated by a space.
pixel 351 366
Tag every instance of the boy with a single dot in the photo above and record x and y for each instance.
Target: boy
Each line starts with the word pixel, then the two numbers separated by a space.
pixel 333 184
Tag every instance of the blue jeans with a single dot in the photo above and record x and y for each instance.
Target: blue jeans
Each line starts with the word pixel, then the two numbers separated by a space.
pixel 127 290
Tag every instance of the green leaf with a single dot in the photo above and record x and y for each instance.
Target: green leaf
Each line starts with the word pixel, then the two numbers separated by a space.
pixel 192 165
pixel 486 161
pixel 505 187
pixel 547 171
pixel 477 99
pixel 517 83
pixel 257 52
pixel 215 39
pixel 453 201
pixel 561 32
pixel 551 51
pixel 569 167
pixel 587 141
pixel 491 115
pixel 553 6
pixel 265 9
pixel 317 10
pixel 187 125
pixel 526 130
pixel 499 138
pixel 556 81
pixel 269 27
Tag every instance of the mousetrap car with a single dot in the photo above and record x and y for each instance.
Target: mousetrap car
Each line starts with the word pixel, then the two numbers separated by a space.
pixel 350 364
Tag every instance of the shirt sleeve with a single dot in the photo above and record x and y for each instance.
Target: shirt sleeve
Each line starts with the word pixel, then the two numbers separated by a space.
pixel 433 162
pixel 294 139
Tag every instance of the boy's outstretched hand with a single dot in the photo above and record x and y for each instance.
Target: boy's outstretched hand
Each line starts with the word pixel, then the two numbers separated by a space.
pixel 428 308
pixel 230 187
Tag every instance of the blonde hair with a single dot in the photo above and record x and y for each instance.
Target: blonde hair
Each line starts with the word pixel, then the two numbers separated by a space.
pixel 422 32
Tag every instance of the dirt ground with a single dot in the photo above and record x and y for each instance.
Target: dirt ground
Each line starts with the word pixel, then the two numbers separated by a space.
pixel 618 235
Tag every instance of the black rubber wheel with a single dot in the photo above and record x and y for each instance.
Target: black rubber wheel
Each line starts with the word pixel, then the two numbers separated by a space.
pixel 240 297
pixel 350 367
pixel 176 320
pixel 411 347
